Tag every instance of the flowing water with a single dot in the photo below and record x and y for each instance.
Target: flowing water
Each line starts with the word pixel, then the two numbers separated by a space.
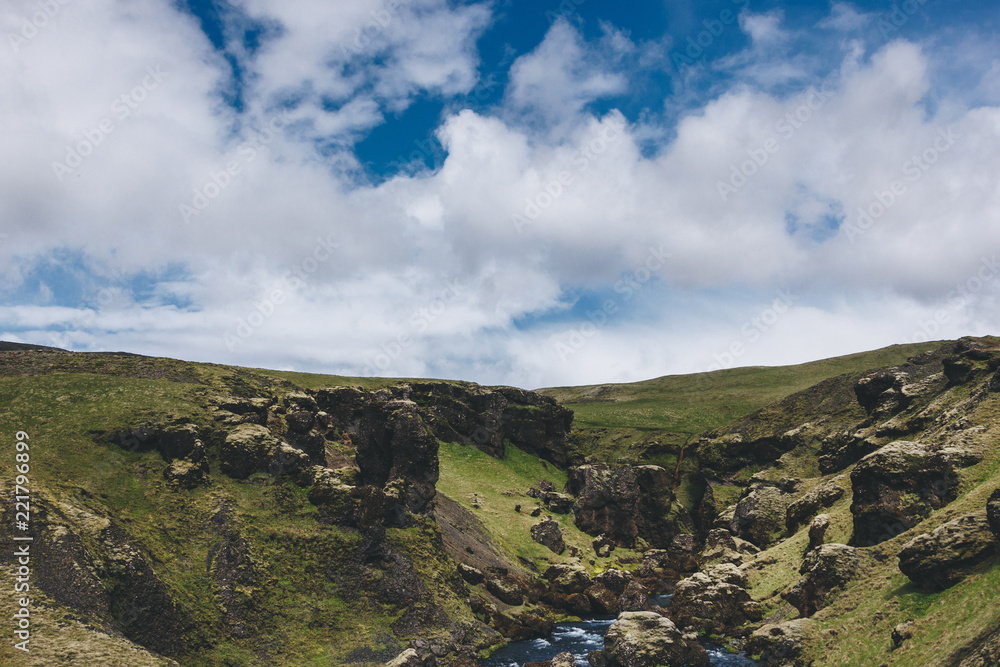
pixel 584 637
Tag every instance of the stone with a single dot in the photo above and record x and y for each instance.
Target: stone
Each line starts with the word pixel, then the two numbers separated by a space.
pixel 602 599
pixel 506 590
pixel 247 449
pixel 633 598
pixel 937 560
pixel 902 632
pixel 881 394
pixel 817 530
pixel 823 496
pixel 898 486
pixel 548 534
pixel 715 601
pixel 470 574
pixel 760 515
pixel 624 503
pixel 614 580
pixel 568 578
pixel 825 570
pixel 603 546
pixel 781 644
pixel 187 475
pixel 646 639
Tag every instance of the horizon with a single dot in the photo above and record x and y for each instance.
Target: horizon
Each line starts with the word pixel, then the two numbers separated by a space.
pixel 562 193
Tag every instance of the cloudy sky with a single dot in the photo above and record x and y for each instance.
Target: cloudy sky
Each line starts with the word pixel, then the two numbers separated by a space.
pixel 525 192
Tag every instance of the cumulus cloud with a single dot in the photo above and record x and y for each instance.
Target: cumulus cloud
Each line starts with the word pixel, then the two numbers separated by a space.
pixel 553 245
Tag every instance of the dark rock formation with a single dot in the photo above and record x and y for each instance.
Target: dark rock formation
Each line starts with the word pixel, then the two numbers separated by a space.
pixel 646 639
pixel 801 510
pixel 817 530
pixel 397 453
pixel 247 449
pixel 824 570
pixel 939 559
pixel 899 485
pixel 623 503
pixel 760 515
pixel 779 645
pixel 902 632
pixel 548 534
pixel 881 393
pixel 714 600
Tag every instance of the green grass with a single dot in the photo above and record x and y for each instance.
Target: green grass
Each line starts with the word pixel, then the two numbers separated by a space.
pixel 682 406
pixel 471 478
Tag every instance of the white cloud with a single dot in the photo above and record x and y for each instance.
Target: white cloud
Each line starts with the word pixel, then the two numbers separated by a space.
pixel 472 271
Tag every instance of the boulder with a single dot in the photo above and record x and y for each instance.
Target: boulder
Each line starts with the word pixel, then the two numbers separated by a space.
pixel 247 449
pixel 603 546
pixel 506 589
pixel 801 510
pixel 779 645
pixel 646 639
pixel 993 512
pixel 471 575
pixel 624 503
pixel 568 578
pixel 288 461
pixel 633 598
pixel 899 485
pixel 881 394
pixel 180 442
pixel 602 599
pixel 939 559
pixel 902 632
pixel 187 475
pixel 715 601
pixel 817 530
pixel 722 547
pixel 548 534
pixel 614 580
pixel 760 515
pixel 824 570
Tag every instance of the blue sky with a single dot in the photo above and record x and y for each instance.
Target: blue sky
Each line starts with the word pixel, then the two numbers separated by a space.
pixel 532 193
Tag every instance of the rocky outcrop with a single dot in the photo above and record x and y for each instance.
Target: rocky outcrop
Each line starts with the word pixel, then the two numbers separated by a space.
pixel 939 559
pixel 902 632
pixel 548 534
pixel 646 639
pixel 817 530
pixel 822 497
pixel 824 571
pixel 714 600
pixel 397 453
pixel 722 547
pixel 781 644
pixel 247 449
pixel 760 515
pixel 624 503
pixel 881 393
pixel 899 485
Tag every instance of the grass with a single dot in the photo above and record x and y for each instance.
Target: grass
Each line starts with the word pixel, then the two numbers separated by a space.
pixel 491 488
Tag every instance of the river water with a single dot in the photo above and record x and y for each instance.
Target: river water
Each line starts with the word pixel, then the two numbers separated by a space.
pixel 582 638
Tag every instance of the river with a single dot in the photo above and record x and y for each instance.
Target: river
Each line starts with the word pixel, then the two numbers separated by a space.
pixel 582 638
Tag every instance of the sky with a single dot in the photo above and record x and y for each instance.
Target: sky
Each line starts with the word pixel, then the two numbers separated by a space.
pixel 534 193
